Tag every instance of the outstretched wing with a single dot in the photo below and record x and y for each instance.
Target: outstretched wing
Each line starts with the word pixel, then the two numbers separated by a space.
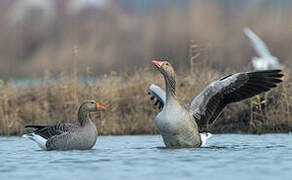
pixel 50 131
pixel 208 105
pixel 159 94
pixel 258 44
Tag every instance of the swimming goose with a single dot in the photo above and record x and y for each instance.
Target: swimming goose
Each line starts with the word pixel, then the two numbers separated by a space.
pixel 179 125
pixel 265 61
pixel 69 136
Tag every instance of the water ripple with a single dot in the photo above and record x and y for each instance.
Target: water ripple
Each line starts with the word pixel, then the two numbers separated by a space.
pixel 145 157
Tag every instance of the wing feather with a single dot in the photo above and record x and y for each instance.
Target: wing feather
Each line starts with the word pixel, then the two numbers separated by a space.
pixel 50 131
pixel 159 94
pixel 208 105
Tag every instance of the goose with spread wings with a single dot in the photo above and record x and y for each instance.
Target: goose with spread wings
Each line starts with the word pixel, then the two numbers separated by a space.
pixel 68 136
pixel 180 125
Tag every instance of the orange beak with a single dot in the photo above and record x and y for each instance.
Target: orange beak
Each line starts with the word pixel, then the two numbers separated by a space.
pixel 157 63
pixel 99 107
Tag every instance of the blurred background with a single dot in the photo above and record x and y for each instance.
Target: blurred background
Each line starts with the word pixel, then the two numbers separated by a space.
pixel 122 35
pixel 56 53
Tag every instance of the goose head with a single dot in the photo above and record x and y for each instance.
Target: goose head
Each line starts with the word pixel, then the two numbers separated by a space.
pixel 86 108
pixel 91 106
pixel 164 68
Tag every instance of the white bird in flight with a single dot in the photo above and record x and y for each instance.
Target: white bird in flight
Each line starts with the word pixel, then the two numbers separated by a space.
pixel 265 61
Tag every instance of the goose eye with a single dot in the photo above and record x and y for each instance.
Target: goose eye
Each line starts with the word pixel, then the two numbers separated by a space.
pixel 167 64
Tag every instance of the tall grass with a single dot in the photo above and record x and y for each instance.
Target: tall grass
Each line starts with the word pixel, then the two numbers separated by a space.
pixel 129 109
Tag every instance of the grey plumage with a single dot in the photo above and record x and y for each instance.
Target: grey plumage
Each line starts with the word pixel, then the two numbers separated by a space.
pixel 69 136
pixel 53 130
pixel 207 106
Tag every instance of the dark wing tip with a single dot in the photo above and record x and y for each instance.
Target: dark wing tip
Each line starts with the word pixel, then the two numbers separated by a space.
pixel 30 126
pixel 274 74
pixel 265 80
pixel 278 80
pixel 37 127
pixel 275 70
pixel 268 71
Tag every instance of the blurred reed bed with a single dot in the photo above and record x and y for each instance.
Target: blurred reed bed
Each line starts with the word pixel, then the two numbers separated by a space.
pixel 117 39
pixel 128 107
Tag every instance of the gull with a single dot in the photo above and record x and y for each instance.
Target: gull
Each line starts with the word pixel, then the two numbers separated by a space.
pixel 264 61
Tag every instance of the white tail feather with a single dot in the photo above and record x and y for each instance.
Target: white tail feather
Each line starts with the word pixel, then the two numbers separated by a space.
pixel 204 137
pixel 41 142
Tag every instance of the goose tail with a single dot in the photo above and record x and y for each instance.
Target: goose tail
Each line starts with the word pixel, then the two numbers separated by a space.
pixel 41 142
pixel 204 137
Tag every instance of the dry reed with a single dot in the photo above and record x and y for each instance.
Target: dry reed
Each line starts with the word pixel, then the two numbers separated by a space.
pixel 129 110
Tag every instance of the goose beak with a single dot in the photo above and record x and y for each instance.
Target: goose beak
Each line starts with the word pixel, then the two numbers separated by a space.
pixel 99 107
pixel 157 63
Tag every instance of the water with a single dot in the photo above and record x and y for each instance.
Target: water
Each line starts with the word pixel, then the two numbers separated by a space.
pixel 227 156
pixel 37 82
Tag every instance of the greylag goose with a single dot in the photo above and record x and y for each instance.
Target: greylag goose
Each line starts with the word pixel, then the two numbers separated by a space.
pixel 179 125
pixel 69 136
pixel 265 61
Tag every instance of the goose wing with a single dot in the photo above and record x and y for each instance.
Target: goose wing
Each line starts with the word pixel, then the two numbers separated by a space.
pixel 60 141
pixel 159 94
pixel 257 43
pixel 50 131
pixel 208 105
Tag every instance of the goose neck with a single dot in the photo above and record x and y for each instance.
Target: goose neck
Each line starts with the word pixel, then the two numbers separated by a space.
pixel 170 85
pixel 83 117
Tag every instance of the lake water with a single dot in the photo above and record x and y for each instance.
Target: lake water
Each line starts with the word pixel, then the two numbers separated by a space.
pixel 229 156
